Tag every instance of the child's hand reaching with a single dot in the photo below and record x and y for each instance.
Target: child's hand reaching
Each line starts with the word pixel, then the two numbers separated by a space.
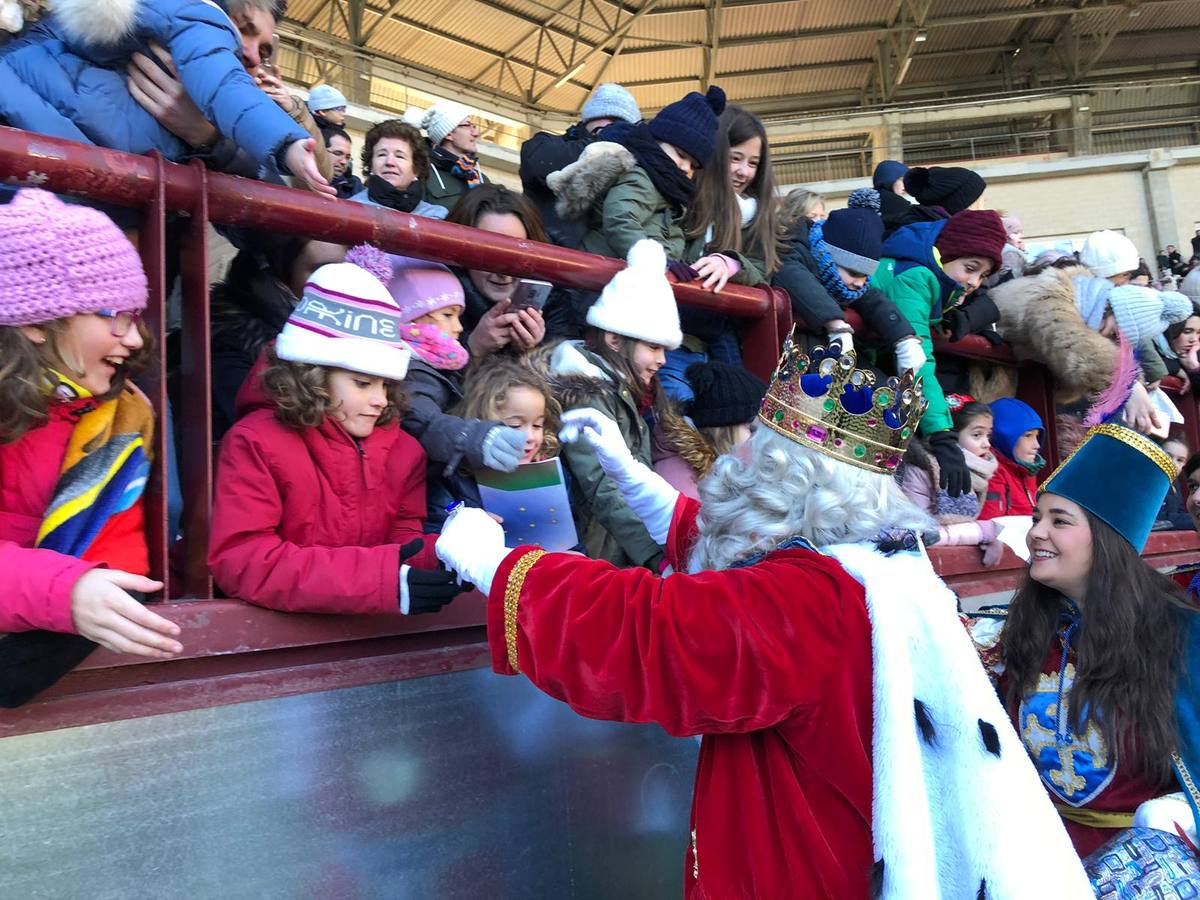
pixel 503 448
pixel 715 270
pixel 103 612
pixel 301 161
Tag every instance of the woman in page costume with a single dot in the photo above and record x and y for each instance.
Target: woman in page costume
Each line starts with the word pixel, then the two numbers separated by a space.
pixel 1096 660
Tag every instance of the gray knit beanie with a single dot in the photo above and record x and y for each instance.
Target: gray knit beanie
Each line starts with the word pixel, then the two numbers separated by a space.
pixel 611 101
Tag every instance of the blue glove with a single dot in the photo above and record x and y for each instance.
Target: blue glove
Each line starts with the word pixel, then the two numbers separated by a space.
pixel 503 448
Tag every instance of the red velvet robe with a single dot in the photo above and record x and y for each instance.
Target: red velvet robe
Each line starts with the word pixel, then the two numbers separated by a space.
pixel 771 663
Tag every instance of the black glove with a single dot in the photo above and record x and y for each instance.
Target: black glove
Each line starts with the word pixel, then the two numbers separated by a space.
pixel 427 590
pixel 956 477
pixel 681 270
pixel 977 314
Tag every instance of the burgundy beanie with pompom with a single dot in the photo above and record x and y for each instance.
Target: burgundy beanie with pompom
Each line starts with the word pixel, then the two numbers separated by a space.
pixel 974 232
pixel 60 259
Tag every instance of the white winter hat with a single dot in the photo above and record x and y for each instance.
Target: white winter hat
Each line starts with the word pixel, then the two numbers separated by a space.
pixel 1108 253
pixel 348 320
pixel 439 120
pixel 638 302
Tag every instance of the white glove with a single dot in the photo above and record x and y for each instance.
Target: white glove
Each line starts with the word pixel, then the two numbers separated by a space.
pixel 605 438
pixel 845 338
pixel 472 545
pixel 909 355
pixel 648 494
pixel 503 448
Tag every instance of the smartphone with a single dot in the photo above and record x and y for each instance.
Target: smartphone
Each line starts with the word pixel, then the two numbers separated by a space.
pixel 531 294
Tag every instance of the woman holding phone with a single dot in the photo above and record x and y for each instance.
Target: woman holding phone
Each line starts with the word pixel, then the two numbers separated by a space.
pixel 504 312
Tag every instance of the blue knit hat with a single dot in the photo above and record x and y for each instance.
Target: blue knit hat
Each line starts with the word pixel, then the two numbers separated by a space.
pixel 1011 418
pixel 854 238
pixel 887 173
pixel 611 101
pixel 691 123
pixel 325 97
pixel 1119 476
pixel 864 198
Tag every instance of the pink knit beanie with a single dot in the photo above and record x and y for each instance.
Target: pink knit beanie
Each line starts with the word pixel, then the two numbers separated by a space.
pixel 420 287
pixel 59 259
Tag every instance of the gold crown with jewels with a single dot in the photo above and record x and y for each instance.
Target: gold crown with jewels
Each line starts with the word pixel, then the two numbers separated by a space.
pixel 821 399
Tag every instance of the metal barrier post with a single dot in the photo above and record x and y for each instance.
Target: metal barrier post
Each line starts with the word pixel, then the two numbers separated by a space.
pixel 194 437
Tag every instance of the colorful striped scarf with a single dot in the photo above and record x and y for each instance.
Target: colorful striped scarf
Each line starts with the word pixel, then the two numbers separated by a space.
pixel 103 478
pixel 95 513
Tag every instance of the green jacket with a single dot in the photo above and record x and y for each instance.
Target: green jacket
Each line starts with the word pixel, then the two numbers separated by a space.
pixel 607 527
pixel 752 267
pixel 628 211
pixel 443 187
pixel 916 292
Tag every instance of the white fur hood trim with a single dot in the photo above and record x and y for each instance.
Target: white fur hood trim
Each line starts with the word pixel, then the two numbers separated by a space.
pixel 951 818
pixel 568 359
pixel 96 22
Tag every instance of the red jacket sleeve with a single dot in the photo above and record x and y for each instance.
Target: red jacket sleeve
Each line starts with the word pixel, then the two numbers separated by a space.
pixel 716 652
pixel 683 532
pixel 409 523
pixel 35 588
pixel 251 561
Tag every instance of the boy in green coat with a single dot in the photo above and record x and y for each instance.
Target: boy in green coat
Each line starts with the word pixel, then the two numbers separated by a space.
pixel 926 269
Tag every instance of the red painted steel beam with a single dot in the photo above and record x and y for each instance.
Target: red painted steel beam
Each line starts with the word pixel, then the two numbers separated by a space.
pixel 126 179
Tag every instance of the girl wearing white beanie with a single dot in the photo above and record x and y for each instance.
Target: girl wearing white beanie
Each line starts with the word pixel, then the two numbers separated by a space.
pixel 614 369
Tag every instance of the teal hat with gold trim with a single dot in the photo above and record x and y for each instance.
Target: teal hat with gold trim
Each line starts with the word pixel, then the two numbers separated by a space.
pixel 1119 476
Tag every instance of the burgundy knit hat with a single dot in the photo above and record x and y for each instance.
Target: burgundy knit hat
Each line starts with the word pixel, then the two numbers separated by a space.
pixel 973 232
pixel 59 259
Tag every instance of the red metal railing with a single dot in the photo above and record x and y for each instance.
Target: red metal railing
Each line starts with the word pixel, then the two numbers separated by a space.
pixel 235 651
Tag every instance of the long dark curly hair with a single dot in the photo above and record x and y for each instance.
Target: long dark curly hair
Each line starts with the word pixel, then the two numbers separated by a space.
pixel 1128 649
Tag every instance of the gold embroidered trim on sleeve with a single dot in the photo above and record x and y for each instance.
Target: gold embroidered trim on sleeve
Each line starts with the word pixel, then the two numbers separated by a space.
pixel 512 597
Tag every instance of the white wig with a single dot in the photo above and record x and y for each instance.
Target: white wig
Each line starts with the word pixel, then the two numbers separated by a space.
pixel 773 489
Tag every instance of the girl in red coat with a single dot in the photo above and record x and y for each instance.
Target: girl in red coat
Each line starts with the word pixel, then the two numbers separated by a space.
pixel 72 427
pixel 320 496
pixel 1016 439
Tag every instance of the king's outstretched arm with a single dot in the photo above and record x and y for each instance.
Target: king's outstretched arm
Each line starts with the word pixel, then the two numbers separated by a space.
pixel 648 494
pixel 714 652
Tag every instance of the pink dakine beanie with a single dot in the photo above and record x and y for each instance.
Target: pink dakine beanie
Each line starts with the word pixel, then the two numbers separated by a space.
pixel 59 259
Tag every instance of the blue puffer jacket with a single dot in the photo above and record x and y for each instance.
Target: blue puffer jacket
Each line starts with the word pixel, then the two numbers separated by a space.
pixel 66 77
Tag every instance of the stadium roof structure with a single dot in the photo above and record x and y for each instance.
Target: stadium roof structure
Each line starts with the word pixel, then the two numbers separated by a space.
pixel 778 57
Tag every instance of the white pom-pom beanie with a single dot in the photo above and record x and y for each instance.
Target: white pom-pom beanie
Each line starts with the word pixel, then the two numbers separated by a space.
pixel 346 320
pixel 638 302
pixel 439 120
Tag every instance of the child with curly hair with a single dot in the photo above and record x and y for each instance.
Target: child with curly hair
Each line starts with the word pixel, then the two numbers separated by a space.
pixel 320 497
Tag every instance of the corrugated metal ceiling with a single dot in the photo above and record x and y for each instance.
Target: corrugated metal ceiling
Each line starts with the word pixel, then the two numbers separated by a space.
pixel 661 54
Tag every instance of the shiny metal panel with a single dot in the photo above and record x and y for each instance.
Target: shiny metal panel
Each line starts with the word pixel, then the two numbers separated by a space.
pixel 455 786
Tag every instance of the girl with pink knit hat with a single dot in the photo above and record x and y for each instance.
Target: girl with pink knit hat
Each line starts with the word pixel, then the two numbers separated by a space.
pixel 431 302
pixel 75 445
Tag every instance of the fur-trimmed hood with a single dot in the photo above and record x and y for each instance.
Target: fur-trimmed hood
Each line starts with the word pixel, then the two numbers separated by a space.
pixel 1039 319
pixel 576 376
pixel 586 180
pixel 680 438
pixel 97 22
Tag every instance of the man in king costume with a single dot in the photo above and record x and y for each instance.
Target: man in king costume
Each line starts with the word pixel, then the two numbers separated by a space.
pixel 852 745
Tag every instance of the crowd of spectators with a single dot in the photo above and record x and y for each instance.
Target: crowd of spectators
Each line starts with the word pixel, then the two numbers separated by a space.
pixel 342 444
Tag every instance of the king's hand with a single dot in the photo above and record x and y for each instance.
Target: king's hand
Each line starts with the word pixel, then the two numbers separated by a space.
pixel 645 492
pixel 472 545
pixel 604 436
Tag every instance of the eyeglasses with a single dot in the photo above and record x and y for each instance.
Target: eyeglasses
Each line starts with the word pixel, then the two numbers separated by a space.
pixel 119 322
